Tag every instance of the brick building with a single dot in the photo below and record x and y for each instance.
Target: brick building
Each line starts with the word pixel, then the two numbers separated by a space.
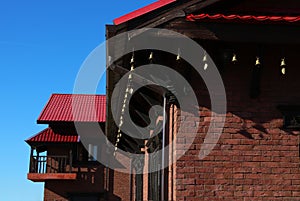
pixel 58 157
pixel 254 45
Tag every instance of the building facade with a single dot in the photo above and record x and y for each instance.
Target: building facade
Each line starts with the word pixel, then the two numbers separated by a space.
pixel 254 46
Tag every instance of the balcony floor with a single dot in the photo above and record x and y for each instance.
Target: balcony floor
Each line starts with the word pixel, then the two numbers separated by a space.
pixel 36 177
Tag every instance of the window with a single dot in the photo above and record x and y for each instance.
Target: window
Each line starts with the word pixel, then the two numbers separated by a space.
pixel 85 154
pixel 93 152
pixel 291 116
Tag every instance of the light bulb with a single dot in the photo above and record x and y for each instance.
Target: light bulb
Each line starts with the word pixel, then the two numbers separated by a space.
pixel 132 59
pixel 178 55
pixel 234 59
pixel 205 66
pixel 151 56
pixel 257 62
pixel 283 66
pixel 204 58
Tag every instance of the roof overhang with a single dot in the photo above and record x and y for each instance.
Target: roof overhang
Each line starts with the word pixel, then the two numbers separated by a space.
pixel 49 136
pixel 139 12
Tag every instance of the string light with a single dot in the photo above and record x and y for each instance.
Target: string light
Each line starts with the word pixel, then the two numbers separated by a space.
pixel 132 59
pixel 205 66
pixel 283 66
pixel 204 57
pixel 151 56
pixel 234 59
pixel 128 91
pixel 257 62
pixel 205 61
pixel 178 55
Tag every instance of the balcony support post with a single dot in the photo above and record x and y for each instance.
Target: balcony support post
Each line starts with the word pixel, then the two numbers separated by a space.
pixel 70 160
pixel 31 160
pixel 37 161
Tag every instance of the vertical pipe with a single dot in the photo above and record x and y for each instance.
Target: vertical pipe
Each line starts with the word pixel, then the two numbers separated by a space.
pixel 163 150
pixel 130 182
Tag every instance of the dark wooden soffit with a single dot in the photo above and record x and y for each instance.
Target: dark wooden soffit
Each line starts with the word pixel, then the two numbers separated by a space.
pixel 237 32
pixel 256 7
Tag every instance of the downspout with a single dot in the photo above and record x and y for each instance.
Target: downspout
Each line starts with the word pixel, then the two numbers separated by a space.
pixel 131 182
pixel 163 148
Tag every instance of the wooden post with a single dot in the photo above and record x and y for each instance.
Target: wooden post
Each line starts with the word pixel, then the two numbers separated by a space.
pixel 145 172
pixel 71 158
pixel 31 161
pixel 37 162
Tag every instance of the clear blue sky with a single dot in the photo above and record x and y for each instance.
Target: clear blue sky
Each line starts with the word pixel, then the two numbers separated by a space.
pixel 42 46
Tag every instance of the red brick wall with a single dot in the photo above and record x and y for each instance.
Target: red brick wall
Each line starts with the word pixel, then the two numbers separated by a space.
pixel 120 186
pixel 90 179
pixel 255 158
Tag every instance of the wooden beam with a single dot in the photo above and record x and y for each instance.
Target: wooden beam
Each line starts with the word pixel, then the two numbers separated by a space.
pixel 36 177
pixel 259 33
pixel 199 5
pixel 137 79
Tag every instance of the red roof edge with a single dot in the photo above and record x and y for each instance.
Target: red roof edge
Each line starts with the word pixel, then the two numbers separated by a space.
pixel 48 135
pixel 142 11
pixel 45 107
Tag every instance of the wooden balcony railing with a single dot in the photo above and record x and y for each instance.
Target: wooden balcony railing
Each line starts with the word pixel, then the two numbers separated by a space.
pixel 50 164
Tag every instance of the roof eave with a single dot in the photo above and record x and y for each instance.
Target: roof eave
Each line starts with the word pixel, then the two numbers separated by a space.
pixel 142 11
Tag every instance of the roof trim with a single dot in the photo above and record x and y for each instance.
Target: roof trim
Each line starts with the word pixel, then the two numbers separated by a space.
pixel 203 16
pixel 49 136
pixel 139 12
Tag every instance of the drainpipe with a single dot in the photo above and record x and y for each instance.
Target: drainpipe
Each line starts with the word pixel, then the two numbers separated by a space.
pixel 163 149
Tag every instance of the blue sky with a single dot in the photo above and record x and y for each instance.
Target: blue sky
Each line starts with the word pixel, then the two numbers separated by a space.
pixel 42 46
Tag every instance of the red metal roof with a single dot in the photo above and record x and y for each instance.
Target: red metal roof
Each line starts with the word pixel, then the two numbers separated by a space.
pixel 142 11
pixel 48 135
pixel 243 18
pixel 74 108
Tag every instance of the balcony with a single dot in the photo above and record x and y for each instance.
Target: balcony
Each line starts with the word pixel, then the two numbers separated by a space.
pixel 44 168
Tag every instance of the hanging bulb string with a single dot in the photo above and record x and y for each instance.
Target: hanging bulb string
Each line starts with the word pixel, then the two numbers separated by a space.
pixel 257 62
pixel 178 55
pixel 128 91
pixel 205 61
pixel 151 57
pixel 283 62
pixel 283 66
pixel 204 57
pixel 234 58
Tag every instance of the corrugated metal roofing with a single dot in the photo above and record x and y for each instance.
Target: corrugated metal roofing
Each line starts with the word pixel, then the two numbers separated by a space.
pixel 74 108
pixel 48 135
pixel 243 18
pixel 142 11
